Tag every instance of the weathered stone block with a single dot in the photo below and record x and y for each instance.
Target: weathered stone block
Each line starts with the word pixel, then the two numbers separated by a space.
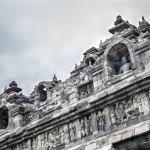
pixel 91 146
pixel 142 129
pixel 107 147
pixel 127 134
pixel 115 138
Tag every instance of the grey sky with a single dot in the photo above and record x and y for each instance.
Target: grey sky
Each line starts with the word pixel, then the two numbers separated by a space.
pixel 41 37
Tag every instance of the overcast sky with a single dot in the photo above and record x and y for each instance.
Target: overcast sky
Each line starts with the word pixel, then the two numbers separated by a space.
pixel 41 37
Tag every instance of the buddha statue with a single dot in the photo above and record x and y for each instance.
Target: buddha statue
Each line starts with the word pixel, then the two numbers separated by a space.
pixel 126 66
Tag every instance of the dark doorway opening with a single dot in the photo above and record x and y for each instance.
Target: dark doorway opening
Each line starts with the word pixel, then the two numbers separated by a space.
pixel 42 93
pixel 3 118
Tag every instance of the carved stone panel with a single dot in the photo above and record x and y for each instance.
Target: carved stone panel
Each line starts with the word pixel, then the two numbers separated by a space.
pixel 85 90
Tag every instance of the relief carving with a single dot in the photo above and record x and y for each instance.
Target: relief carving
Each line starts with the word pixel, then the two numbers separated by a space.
pixel 126 110
pixel 83 128
pixel 85 90
pixel 25 146
pixel 100 121
pixel 130 111
pixel 50 140
pixel 89 125
pixel 63 136
pixel 137 102
pixel 113 116
pixel 72 131
pixel 57 137
pixel 120 112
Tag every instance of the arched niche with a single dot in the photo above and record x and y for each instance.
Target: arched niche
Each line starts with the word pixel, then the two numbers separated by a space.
pixel 118 60
pixel 90 60
pixel 42 93
pixel 4 119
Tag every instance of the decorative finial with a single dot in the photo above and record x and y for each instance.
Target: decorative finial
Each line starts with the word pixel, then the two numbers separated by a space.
pixel 119 17
pixel 5 88
pixel 12 88
pixel 118 20
pixel 76 66
pixel 144 26
pixel 100 44
pixel 55 78
pixel 143 19
pixel 13 83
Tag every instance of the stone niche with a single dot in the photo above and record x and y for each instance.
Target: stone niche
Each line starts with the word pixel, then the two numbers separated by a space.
pixel 42 93
pixel 90 60
pixel 119 60
pixel 4 118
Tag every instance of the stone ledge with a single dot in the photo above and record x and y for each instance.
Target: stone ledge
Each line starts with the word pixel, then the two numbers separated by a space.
pixel 115 138
pixel 91 146
pixel 141 129
pixel 107 147
pixel 128 134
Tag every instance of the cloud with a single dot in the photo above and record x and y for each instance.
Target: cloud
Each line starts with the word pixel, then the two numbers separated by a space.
pixel 41 37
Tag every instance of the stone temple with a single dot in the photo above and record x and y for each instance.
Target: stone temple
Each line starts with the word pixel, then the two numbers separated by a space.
pixel 103 105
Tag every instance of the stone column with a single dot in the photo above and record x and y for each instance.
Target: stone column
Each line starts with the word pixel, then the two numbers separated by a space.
pixel 107 118
pixel 66 132
pixel 17 114
pixel 29 144
pixel 9 117
pixel 49 96
pixel 145 102
pixel 73 95
pixel 36 101
pixel 17 147
pixel 94 122
pixel 90 63
pixel 78 131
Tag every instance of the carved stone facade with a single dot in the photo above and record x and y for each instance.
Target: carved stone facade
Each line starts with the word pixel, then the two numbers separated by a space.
pixel 103 105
